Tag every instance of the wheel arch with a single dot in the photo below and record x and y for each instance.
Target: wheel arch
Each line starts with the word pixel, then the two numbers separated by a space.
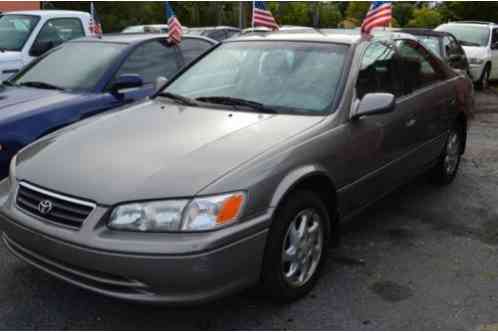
pixel 311 177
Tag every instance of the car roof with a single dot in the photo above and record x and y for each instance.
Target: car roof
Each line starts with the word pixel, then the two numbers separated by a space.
pixel 341 36
pixel 470 23
pixel 424 32
pixel 221 27
pixel 49 13
pixel 134 38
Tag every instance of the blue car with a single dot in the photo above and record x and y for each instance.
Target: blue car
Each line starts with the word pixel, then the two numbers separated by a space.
pixel 85 77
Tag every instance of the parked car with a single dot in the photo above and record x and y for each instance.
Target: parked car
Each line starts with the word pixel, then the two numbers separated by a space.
pixel 285 28
pixel 25 35
pixel 239 170
pixel 444 45
pixel 160 28
pixel 82 78
pixel 480 43
pixel 218 33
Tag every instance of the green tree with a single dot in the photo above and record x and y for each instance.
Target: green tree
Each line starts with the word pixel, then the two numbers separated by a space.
pixel 425 18
pixel 403 12
pixel 330 15
pixel 466 10
pixel 357 10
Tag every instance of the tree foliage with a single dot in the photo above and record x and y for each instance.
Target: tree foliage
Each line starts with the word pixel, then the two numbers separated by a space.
pixel 324 14
pixel 425 18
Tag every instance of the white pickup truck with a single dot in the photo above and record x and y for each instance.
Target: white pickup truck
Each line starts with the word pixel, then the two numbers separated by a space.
pixel 25 35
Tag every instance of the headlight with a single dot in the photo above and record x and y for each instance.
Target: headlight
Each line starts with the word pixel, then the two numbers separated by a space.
pixel 206 213
pixel 476 61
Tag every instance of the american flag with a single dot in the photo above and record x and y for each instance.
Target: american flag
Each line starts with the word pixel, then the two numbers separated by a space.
pixel 94 26
pixel 174 26
pixel 379 15
pixel 262 17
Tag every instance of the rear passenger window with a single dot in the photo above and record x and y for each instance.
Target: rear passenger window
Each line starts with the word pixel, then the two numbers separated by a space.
pixel 192 48
pixel 419 67
pixel 378 71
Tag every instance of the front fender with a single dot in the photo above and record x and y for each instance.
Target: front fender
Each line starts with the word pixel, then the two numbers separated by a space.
pixel 293 178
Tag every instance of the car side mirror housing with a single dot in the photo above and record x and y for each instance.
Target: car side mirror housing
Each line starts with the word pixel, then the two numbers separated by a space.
pixel 126 81
pixel 40 47
pixel 375 103
pixel 494 46
pixel 160 83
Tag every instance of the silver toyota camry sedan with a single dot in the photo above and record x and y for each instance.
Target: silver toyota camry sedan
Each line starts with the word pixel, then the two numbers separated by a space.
pixel 239 170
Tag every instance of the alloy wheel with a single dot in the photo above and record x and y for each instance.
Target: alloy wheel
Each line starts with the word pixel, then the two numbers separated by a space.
pixel 452 157
pixel 302 249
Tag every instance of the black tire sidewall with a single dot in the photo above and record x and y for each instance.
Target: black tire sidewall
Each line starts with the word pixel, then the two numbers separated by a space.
pixel 439 174
pixel 273 281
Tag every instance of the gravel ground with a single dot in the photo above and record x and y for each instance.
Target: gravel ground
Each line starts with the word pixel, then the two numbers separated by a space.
pixel 423 258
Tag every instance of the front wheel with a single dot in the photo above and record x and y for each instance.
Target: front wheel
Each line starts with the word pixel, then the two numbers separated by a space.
pixel 296 247
pixel 447 168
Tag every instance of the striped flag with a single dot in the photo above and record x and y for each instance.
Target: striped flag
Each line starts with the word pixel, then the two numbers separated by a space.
pixel 262 17
pixel 174 26
pixel 379 15
pixel 94 26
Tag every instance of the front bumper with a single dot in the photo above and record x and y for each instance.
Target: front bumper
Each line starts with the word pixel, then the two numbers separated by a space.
pixel 185 278
pixel 476 72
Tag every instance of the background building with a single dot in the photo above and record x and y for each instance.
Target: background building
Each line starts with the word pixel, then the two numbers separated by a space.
pixel 19 5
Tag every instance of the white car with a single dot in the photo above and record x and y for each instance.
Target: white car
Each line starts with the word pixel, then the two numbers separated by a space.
pixel 25 35
pixel 162 28
pixel 480 43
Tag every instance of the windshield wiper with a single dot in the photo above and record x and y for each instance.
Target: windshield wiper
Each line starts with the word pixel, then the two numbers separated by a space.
pixel 178 98
pixel 41 85
pixel 231 101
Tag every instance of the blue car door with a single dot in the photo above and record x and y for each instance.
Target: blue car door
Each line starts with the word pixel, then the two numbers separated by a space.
pixel 150 60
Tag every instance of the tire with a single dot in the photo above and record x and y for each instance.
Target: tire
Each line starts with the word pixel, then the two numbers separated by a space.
pixel 484 80
pixel 292 262
pixel 447 167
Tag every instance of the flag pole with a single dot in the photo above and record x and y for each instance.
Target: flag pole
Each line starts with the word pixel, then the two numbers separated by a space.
pixel 252 14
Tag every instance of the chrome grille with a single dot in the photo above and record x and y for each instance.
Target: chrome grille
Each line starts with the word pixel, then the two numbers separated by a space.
pixel 60 209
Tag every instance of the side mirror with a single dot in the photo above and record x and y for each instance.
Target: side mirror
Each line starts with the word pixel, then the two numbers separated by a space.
pixel 126 81
pixel 160 82
pixel 40 47
pixel 494 46
pixel 375 103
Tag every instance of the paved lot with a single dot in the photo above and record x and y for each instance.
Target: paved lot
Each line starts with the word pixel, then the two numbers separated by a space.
pixel 423 258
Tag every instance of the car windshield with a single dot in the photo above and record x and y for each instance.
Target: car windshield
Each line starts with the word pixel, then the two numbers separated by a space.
pixel 73 66
pixel 15 30
pixel 468 35
pixel 431 43
pixel 284 77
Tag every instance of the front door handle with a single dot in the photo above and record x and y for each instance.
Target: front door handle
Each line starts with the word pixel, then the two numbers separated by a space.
pixel 410 123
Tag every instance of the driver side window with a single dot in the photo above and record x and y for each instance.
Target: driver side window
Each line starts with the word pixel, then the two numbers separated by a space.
pixel 378 72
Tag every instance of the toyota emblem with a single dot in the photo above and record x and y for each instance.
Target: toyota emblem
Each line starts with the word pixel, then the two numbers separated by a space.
pixel 45 207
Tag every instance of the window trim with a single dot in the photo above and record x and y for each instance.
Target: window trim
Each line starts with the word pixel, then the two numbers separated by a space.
pixel 57 19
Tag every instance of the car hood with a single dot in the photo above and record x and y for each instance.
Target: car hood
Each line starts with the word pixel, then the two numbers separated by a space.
pixel 475 52
pixel 153 151
pixel 18 101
